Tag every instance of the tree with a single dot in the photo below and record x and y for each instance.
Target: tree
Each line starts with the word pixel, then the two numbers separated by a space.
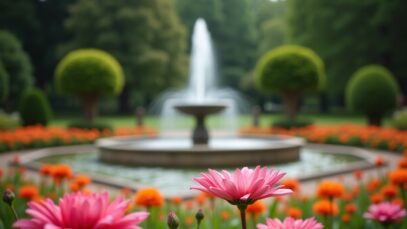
pixel 3 83
pixel 290 71
pixel 34 108
pixel 17 66
pixel 373 91
pixel 145 36
pixel 349 34
pixel 272 34
pixel 89 74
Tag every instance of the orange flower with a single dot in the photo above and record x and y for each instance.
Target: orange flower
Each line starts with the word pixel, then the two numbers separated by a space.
pixel 74 186
pixel 256 209
pixel 292 184
pixel 403 163
pixel 125 191
pixel 60 172
pixel 189 220
pixel 398 201
pixel 149 197
pixel 346 218
pixel 1 172
pixel 46 169
pixel 225 215
pixel 325 208
pixel 351 208
pixel 379 161
pixel 189 204
pixel 376 198
pixel 330 189
pixel 398 176
pixel 176 200
pixel 201 198
pixel 373 185
pixel 389 191
pixel 28 192
pixel 296 213
pixel 82 180
pixel 358 174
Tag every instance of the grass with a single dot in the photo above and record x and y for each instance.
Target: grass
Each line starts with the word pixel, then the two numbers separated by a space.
pixel 216 121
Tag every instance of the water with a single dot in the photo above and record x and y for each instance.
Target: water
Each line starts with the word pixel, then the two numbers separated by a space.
pixel 177 181
pixel 202 87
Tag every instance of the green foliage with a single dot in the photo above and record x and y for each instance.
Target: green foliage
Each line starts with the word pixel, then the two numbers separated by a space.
pixel 100 126
pixel 349 34
pixel 145 36
pixel 8 122
pixel 372 90
pixel 34 108
pixel 290 68
pixel 89 72
pixel 272 34
pixel 3 83
pixel 400 120
pixel 17 66
pixel 289 124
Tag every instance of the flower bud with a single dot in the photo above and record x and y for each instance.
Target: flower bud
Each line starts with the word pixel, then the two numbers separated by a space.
pixel 8 197
pixel 172 220
pixel 199 216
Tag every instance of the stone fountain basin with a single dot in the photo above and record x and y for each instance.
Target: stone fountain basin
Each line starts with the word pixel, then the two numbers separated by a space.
pixel 181 153
pixel 200 108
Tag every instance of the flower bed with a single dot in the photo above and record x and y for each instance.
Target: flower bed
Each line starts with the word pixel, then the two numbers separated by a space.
pixel 349 134
pixel 39 136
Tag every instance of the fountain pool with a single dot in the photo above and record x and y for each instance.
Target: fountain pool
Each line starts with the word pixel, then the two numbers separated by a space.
pixel 176 181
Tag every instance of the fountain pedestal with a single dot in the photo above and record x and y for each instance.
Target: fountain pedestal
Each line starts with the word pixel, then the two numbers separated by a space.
pixel 200 135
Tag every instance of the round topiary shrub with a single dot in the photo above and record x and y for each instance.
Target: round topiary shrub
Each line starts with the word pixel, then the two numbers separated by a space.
pixel 89 74
pixel 400 120
pixel 290 71
pixel 372 91
pixel 3 83
pixel 34 108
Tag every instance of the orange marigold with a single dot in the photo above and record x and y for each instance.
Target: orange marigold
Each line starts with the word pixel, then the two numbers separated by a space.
pixel 256 209
pixel 189 220
pixel 224 215
pixel 149 197
pixel 330 189
pixel 346 218
pixel 398 176
pixel 46 169
pixel 201 198
pixel 60 172
pixel 389 191
pixel 292 184
pixel 351 208
pixel 379 161
pixel 325 208
pixel 376 198
pixel 403 163
pixel 295 213
pixel 358 174
pixel 373 185
pixel 28 192
pixel 74 187
pixel 82 180
pixel 176 200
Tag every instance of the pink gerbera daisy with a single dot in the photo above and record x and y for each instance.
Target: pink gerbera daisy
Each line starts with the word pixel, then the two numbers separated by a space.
pixel 290 223
pixel 385 213
pixel 244 186
pixel 78 210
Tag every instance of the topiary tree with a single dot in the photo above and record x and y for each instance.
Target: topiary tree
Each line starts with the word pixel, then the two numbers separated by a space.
pixel 372 90
pixel 3 83
pixel 89 74
pixel 290 71
pixel 18 67
pixel 34 108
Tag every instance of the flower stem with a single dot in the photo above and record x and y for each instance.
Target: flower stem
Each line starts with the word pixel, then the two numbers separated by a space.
pixel 242 208
pixel 13 211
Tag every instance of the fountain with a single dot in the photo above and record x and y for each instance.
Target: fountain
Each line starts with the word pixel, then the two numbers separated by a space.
pixel 200 99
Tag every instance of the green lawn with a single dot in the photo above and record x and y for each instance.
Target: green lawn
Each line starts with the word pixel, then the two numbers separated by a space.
pixel 243 120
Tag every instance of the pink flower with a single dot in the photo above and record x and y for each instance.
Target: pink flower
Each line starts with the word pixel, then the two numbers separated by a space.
pixel 78 210
pixel 244 186
pixel 385 213
pixel 291 223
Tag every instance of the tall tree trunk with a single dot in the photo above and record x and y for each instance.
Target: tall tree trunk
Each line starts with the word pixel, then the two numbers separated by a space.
pixel 374 120
pixel 90 106
pixel 291 100
pixel 124 101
